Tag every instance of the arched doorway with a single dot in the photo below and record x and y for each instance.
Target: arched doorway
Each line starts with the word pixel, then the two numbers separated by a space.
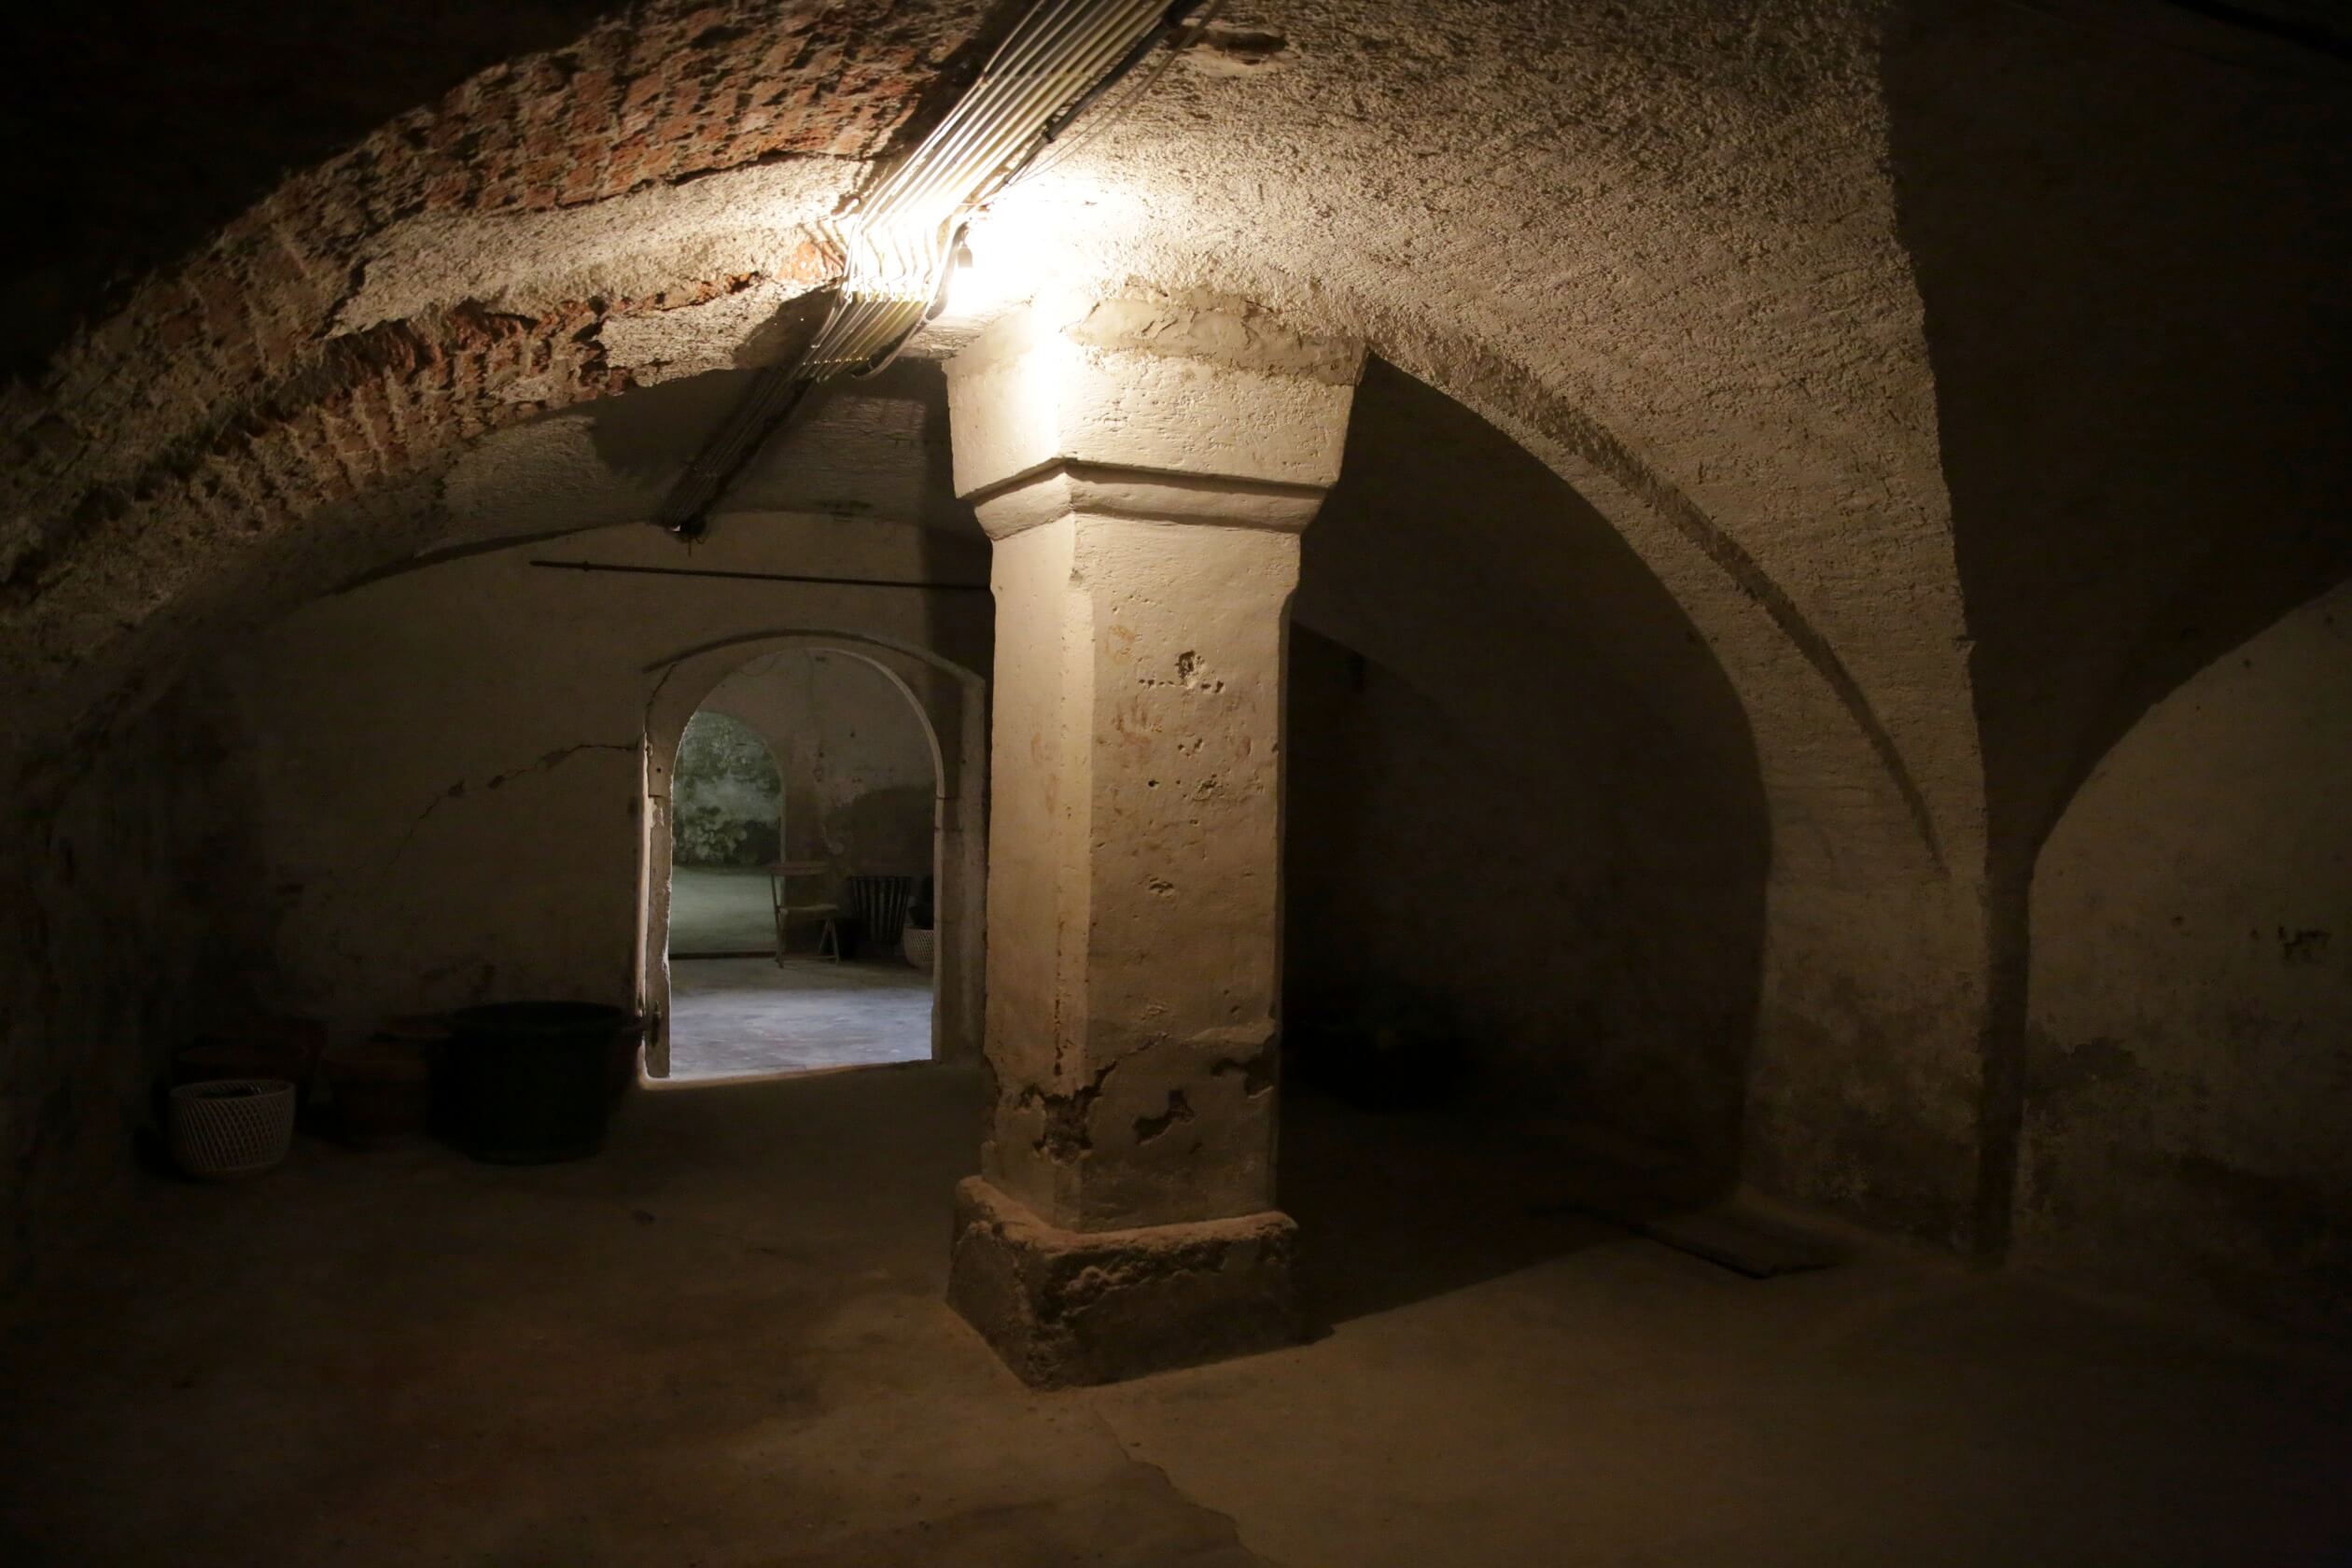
pixel 775 913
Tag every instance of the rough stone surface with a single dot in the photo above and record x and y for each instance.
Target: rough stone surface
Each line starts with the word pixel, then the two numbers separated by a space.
pixel 1885 337
pixel 233 395
pixel 1135 849
pixel 1757 458
pixel 1065 1309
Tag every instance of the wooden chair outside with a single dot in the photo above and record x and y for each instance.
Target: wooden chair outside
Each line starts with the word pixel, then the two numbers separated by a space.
pixel 781 875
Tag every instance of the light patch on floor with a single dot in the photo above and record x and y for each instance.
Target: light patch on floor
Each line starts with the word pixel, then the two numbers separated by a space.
pixel 730 1017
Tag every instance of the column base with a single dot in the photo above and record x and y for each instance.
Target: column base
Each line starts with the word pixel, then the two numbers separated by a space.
pixel 1066 1308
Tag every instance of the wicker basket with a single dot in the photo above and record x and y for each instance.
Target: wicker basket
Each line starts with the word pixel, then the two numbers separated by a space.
pixel 920 946
pixel 230 1127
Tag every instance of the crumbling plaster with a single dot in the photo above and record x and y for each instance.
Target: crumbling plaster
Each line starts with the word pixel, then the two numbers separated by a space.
pixel 452 765
pixel 1679 254
pixel 1739 157
pixel 230 400
pixel 1746 397
pixel 1701 318
pixel 1143 475
pixel 1142 472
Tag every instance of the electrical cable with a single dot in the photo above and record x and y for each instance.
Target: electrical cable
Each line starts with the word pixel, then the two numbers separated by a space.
pixel 898 239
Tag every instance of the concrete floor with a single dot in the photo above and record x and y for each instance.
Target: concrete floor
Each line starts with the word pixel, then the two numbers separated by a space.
pixel 736 1015
pixel 723 1344
pixel 732 1017
pixel 720 910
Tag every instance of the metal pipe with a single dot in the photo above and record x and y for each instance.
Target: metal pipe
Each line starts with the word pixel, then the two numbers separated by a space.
pixel 760 577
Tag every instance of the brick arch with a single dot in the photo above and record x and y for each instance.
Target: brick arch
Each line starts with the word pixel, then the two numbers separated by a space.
pixel 233 395
pixel 284 369
pixel 1790 507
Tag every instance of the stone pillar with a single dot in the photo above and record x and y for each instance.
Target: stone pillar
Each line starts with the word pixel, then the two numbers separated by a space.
pixel 1144 471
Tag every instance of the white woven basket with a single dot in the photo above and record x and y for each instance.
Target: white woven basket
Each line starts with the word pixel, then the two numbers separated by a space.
pixel 230 1127
pixel 919 946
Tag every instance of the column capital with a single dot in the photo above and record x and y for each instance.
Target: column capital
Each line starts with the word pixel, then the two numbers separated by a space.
pixel 1153 410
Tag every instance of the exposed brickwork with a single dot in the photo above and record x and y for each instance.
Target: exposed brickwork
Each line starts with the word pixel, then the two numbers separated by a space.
pixel 218 404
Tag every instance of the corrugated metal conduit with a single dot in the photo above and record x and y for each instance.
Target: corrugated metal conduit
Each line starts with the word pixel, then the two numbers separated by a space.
pixel 896 242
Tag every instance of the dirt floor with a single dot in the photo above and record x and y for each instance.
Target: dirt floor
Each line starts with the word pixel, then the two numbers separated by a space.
pixel 723 1343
